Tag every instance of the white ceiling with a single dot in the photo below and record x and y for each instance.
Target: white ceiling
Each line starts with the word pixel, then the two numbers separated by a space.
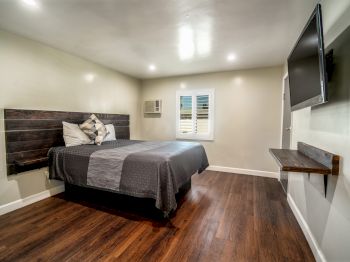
pixel 177 36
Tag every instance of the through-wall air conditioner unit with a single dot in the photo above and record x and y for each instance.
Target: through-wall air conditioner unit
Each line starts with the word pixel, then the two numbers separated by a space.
pixel 153 107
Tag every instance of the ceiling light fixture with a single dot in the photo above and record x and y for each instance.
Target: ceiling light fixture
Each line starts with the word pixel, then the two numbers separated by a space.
pixel 31 4
pixel 152 68
pixel 231 57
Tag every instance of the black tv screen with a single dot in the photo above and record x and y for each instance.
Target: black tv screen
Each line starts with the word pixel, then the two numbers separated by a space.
pixel 306 66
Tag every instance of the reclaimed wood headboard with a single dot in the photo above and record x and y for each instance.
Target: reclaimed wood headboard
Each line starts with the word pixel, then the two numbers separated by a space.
pixel 30 134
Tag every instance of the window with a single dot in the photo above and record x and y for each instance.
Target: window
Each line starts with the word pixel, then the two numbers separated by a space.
pixel 195 114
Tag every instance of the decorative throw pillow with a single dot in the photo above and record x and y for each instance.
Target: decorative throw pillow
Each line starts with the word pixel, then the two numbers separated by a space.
pixel 73 136
pixel 111 133
pixel 95 129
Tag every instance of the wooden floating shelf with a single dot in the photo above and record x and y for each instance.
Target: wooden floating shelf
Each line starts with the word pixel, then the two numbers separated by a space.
pixel 294 161
pixel 31 161
pixel 307 159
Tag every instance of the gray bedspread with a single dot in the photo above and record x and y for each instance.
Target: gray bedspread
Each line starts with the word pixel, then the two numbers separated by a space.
pixel 151 169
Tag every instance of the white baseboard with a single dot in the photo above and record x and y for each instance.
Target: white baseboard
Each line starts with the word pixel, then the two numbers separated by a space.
pixel 30 199
pixel 316 250
pixel 244 171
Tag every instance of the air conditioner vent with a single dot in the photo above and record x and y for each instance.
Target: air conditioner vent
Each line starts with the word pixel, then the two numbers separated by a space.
pixel 153 107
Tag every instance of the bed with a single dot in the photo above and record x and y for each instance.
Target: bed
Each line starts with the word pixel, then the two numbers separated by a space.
pixel 144 169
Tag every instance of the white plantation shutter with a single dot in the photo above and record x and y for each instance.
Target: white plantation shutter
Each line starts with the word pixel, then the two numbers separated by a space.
pixel 202 114
pixel 194 114
pixel 186 125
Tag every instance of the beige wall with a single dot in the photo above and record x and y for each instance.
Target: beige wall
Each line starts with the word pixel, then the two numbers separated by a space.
pixel 247 114
pixel 327 127
pixel 35 76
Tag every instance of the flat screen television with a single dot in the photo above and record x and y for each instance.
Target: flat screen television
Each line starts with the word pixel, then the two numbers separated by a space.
pixel 306 66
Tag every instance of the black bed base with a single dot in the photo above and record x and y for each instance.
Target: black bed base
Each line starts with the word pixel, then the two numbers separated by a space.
pixel 118 203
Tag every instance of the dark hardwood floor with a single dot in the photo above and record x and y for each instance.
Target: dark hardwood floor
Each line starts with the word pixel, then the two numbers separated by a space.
pixel 224 217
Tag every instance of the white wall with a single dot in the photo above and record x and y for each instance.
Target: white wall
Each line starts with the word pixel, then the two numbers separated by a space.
pixel 327 127
pixel 247 114
pixel 35 76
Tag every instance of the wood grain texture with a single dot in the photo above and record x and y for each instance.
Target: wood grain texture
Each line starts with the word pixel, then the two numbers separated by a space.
pixel 325 158
pixel 295 161
pixel 223 217
pixel 31 133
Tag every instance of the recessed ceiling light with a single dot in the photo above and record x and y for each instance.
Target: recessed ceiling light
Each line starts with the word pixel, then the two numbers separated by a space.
pixel 231 57
pixel 152 68
pixel 33 4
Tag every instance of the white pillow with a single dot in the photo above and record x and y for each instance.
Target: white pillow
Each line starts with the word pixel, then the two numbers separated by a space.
pixel 74 136
pixel 111 133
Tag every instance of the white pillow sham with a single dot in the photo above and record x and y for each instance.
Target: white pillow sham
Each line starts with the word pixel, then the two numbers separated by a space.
pixel 110 133
pixel 74 136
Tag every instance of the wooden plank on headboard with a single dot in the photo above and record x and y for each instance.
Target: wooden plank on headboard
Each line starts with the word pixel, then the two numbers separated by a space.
pixel 31 133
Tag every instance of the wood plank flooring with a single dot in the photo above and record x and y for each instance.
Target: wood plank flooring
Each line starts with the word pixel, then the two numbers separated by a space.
pixel 224 217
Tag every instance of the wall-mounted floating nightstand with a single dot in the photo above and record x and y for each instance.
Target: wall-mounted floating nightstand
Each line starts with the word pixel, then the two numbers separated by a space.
pixel 307 159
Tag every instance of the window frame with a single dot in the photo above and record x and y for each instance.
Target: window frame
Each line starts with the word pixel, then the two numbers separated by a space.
pixel 194 93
